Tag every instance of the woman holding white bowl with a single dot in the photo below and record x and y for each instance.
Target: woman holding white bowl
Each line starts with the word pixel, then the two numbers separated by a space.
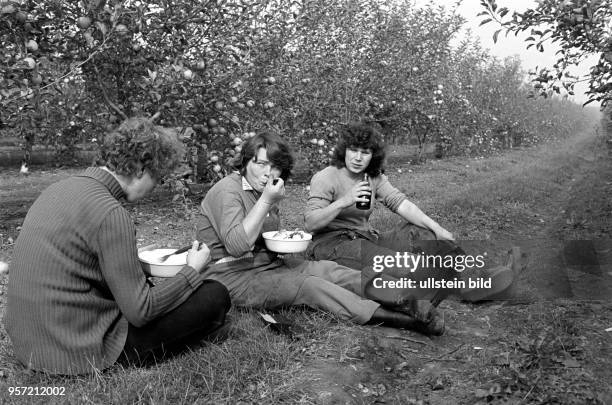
pixel 235 212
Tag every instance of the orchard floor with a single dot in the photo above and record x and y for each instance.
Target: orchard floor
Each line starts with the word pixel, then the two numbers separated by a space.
pixel 549 343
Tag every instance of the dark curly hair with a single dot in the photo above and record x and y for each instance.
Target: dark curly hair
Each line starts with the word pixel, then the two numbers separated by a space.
pixel 277 149
pixel 138 144
pixel 360 135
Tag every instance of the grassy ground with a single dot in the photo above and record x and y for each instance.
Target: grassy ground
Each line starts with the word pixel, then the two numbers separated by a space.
pixel 549 345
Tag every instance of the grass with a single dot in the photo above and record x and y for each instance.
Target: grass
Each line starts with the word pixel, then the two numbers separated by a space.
pixel 542 351
pixel 253 364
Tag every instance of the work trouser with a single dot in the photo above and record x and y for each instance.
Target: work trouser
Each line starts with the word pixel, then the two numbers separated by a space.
pixel 359 250
pixel 199 318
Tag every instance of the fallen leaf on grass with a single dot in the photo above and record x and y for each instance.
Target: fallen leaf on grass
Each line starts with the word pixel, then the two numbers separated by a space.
pixel 571 363
pixel 502 359
pixel 438 384
pixel 494 390
pixel 480 393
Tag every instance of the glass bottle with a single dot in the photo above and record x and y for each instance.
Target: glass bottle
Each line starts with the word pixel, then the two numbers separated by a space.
pixel 365 205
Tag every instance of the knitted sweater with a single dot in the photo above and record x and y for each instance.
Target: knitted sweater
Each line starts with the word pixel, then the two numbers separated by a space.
pixel 329 184
pixel 76 282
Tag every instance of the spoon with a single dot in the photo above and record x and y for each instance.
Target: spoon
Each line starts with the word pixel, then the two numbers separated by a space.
pixel 178 251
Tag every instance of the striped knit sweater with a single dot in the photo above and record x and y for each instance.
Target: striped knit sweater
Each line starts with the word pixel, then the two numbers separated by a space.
pixel 75 281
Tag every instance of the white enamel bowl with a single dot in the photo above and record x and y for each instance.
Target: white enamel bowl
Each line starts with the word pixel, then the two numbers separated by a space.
pixel 150 261
pixel 282 245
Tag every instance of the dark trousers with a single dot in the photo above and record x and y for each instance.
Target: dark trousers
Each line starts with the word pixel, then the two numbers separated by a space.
pixel 199 317
pixel 358 251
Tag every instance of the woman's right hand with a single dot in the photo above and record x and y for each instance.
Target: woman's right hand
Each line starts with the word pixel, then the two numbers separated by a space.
pixel 198 258
pixel 359 193
pixel 274 191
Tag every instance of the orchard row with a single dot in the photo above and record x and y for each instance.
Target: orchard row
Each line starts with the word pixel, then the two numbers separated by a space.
pixel 228 69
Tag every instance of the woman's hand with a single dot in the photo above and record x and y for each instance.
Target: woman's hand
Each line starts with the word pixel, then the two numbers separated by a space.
pixel 359 193
pixel 198 258
pixel 274 191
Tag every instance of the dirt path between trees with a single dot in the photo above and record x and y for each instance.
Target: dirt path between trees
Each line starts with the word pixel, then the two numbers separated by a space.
pixel 549 342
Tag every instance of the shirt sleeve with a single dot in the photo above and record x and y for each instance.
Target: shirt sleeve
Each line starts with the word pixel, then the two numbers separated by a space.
pixel 117 253
pixel 228 212
pixel 322 192
pixel 388 195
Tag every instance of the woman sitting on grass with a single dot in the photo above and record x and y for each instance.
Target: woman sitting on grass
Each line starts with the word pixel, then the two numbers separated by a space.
pixel 343 233
pixel 238 208
pixel 78 299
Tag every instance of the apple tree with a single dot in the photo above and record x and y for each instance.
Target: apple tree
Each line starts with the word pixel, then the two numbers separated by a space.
pixel 579 28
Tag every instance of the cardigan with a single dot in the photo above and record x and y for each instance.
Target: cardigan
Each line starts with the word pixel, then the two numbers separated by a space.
pixel 76 282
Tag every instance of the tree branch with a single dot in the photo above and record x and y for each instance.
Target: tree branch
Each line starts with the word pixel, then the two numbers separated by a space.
pixel 106 98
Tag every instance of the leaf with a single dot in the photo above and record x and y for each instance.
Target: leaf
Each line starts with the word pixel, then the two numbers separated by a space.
pixel 495 389
pixel 483 22
pixel 267 318
pixel 480 393
pixel 495 36
pixel 102 27
pixel 503 11
pixel 571 363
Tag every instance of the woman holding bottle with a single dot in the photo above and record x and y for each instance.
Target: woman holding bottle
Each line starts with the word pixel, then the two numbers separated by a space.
pixel 341 201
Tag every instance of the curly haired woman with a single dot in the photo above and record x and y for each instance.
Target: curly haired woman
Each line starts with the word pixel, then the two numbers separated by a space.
pixel 343 232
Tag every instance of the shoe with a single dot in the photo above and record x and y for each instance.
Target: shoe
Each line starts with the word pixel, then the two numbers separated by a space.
pixel 421 310
pixel 437 325
pixel 434 327
pixel 440 296
pixel 501 277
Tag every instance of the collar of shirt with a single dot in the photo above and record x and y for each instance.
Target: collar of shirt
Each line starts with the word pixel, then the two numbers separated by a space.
pixel 246 186
pixel 107 179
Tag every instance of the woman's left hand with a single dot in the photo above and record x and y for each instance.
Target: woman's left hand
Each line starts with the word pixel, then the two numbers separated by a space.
pixel 443 234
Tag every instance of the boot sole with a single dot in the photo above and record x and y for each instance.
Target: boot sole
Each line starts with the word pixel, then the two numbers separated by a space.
pixel 500 281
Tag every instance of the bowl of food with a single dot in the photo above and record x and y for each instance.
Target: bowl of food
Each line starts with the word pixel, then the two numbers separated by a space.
pixel 284 241
pixel 150 258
